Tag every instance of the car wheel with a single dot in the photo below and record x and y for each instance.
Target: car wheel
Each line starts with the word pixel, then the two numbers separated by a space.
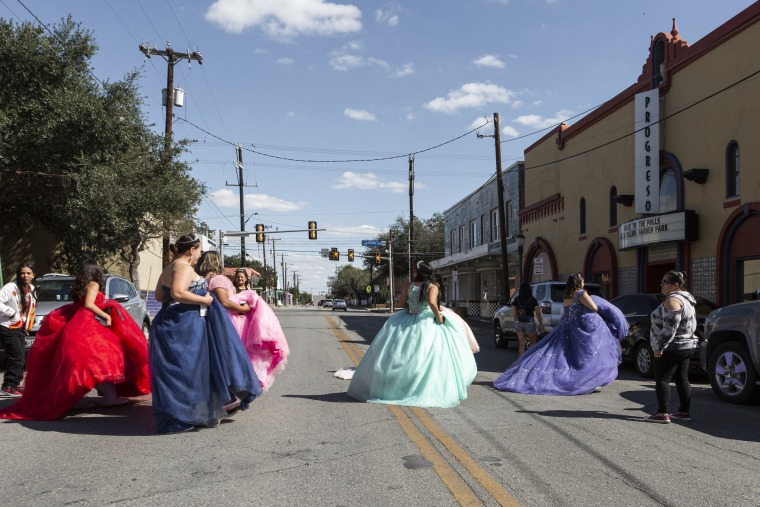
pixel 732 374
pixel 643 360
pixel 498 337
pixel 146 329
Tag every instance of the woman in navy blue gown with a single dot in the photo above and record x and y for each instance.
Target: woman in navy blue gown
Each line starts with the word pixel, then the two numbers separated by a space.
pixel 200 371
pixel 580 355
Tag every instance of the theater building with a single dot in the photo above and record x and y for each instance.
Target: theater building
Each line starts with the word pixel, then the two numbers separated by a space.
pixel 662 176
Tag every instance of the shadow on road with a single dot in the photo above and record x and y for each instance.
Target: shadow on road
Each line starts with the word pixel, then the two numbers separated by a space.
pixel 340 397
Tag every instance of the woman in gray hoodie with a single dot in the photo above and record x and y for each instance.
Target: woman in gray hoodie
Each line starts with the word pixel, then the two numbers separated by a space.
pixel 673 343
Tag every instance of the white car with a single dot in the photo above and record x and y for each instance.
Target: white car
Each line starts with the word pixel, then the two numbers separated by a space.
pixel 328 303
pixel 340 304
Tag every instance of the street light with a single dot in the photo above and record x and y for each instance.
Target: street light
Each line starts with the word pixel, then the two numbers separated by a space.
pixel 520 244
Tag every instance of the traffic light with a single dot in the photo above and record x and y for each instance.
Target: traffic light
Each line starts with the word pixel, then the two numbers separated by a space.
pixel 377 258
pixel 334 255
pixel 260 233
pixel 312 230
pixel 350 255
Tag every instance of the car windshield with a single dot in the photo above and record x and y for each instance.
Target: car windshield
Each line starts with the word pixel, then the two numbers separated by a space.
pixel 53 289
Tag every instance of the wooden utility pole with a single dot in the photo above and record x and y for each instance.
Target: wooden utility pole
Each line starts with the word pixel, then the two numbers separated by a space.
pixel 240 184
pixel 171 58
pixel 502 214
pixel 411 214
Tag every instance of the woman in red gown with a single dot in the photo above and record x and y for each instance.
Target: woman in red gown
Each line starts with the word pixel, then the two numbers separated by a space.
pixel 92 343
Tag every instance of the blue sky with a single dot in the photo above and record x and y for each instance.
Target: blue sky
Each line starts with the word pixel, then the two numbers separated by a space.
pixel 310 87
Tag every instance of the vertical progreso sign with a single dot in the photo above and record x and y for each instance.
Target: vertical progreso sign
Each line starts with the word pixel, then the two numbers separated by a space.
pixel 647 148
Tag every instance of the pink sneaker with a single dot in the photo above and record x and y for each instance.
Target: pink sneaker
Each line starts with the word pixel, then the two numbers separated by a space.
pixel 658 418
pixel 681 416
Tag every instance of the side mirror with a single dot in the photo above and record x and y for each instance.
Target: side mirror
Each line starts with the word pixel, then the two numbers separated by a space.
pixel 121 298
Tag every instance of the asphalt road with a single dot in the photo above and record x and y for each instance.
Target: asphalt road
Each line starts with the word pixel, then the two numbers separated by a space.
pixel 306 443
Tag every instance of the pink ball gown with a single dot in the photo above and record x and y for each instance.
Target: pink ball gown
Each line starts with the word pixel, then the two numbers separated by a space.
pixel 259 330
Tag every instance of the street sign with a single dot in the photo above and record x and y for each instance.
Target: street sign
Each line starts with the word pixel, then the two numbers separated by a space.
pixel 538 266
pixel 325 252
pixel 373 242
pixel 369 289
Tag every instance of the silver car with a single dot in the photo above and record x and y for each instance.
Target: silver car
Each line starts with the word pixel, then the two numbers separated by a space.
pixel 53 291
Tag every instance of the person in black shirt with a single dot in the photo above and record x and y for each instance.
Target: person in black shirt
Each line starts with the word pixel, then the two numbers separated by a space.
pixel 527 313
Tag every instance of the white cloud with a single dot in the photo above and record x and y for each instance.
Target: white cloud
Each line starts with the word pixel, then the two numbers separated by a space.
pixel 539 122
pixel 285 19
pixel 489 61
pixel 510 131
pixel 286 61
pixel 471 95
pixel 410 117
pixel 359 114
pixel 368 181
pixel 406 70
pixel 386 17
pixel 344 59
pixel 516 104
pixel 538 102
pixel 261 51
pixel 229 199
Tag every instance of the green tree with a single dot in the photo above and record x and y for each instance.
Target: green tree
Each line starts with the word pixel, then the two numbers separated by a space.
pixel 77 155
pixel 349 282
pixel 268 275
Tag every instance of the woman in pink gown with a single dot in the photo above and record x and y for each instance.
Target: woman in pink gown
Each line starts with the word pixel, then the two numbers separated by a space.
pixel 253 319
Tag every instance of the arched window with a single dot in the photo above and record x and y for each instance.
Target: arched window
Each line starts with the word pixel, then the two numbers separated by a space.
pixel 613 206
pixel 732 169
pixel 668 197
pixel 582 216
pixel 658 63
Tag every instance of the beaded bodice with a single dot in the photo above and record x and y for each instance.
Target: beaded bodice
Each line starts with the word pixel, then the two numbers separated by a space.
pixel 195 285
pixel 413 300
pixel 574 309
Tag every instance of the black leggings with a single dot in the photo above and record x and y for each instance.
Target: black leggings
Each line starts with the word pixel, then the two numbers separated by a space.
pixel 669 363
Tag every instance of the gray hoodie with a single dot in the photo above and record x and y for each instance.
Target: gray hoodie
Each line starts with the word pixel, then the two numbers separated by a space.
pixel 674 330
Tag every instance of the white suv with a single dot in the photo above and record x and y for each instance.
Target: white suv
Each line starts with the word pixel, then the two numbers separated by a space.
pixel 550 298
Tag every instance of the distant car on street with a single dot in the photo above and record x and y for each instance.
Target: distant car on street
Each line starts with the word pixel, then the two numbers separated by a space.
pixel 638 309
pixel 327 303
pixel 340 304
pixel 54 290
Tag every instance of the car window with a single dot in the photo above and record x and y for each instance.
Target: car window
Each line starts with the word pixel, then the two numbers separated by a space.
pixel 540 292
pixel 131 290
pixel 558 293
pixel 641 305
pixel 53 290
pixel 705 306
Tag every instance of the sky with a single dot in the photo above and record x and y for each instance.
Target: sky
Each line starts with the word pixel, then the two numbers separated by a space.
pixel 329 99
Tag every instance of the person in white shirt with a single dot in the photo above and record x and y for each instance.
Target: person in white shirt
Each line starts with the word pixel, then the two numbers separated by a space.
pixel 16 320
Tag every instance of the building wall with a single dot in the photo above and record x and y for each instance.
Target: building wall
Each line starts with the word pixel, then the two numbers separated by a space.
pixel 706 103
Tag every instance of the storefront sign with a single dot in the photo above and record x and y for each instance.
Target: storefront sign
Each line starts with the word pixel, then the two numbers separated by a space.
pixel 647 151
pixel 679 226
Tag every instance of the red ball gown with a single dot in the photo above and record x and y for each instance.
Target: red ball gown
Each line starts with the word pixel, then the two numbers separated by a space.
pixel 73 352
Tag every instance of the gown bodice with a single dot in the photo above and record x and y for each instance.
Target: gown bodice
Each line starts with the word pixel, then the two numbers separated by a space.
pixel 416 303
pixel 201 284
pixel 575 308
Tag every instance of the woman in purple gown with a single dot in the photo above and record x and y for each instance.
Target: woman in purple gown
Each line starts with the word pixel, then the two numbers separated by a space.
pixel 580 355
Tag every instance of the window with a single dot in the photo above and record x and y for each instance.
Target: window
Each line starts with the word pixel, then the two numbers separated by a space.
pixel 582 220
pixel 482 228
pixel 508 210
pixel 613 206
pixel 668 199
pixel 658 63
pixel 732 169
pixel 453 242
pixel 495 224
pixel 473 234
pixel 461 238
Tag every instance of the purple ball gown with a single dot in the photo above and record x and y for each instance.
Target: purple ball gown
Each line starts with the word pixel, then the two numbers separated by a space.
pixel 579 355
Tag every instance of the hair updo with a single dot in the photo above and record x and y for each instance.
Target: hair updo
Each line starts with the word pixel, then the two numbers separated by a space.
pixel 675 277
pixel 184 243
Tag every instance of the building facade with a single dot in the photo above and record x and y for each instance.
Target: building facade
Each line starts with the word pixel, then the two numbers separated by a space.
pixel 471 270
pixel 662 176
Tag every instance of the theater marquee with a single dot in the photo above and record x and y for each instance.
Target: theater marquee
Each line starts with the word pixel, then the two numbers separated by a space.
pixel 679 226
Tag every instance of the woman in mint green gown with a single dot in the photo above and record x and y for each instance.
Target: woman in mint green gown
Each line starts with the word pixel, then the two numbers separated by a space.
pixel 418 358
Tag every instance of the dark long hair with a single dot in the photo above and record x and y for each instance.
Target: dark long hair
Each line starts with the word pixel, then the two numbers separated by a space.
pixel 573 284
pixel 424 275
pixel 247 280
pixel 184 243
pixel 525 293
pixel 22 296
pixel 90 272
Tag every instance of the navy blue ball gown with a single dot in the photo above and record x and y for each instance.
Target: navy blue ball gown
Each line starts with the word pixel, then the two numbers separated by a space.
pixel 198 365
pixel 581 354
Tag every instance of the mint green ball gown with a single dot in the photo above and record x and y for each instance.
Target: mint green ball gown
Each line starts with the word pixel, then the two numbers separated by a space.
pixel 414 361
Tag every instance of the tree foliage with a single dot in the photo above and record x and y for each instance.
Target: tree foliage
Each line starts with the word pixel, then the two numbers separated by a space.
pixel 348 283
pixel 268 275
pixel 77 155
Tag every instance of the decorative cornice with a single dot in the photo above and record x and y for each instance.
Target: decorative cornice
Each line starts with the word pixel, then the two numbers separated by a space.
pixel 544 208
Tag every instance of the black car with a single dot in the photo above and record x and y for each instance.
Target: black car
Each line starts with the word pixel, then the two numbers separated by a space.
pixel 638 309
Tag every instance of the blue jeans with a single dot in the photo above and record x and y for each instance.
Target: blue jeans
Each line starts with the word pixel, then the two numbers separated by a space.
pixel 525 327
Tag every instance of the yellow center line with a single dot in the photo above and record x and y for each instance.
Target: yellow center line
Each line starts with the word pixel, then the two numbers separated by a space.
pixel 461 492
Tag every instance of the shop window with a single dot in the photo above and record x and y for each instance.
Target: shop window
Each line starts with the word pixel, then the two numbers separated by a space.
pixel 495 224
pixel 453 243
pixel 473 234
pixel 461 238
pixel 732 170
pixel 749 279
pixel 668 197
pixel 508 223
pixel 582 213
pixel 613 206
pixel 482 228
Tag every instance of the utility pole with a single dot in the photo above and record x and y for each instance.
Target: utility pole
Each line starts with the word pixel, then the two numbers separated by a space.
pixel 411 212
pixel 274 267
pixel 171 58
pixel 240 184
pixel 502 214
pixel 284 282
pixel 390 268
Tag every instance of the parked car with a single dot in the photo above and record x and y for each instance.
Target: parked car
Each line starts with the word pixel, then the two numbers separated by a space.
pixel 731 351
pixel 328 303
pixel 638 309
pixel 53 291
pixel 549 296
pixel 339 304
